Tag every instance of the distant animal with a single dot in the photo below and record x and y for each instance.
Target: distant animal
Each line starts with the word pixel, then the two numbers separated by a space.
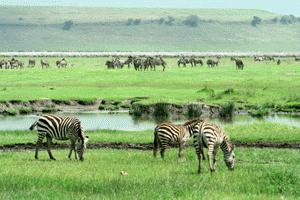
pixel 197 61
pixel 212 137
pixel 212 63
pixel 167 133
pixel 61 63
pixel 258 58
pixel 109 64
pixel 44 63
pixel 158 62
pixel 60 128
pixel 31 63
pixel 184 61
pixel 278 62
pixel 239 64
pixel 297 58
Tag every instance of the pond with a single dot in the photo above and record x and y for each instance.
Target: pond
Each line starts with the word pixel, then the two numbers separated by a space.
pixel 124 121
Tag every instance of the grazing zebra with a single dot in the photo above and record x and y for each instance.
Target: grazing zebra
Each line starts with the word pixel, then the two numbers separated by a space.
pixel 212 136
pixel 167 133
pixel 60 128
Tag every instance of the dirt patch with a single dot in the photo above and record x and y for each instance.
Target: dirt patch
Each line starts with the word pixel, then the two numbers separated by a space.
pixel 140 146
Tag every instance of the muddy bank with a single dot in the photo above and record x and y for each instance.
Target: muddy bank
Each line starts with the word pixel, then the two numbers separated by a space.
pixel 143 146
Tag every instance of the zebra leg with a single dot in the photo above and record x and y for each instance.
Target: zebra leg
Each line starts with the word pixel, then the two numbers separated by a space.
pixel 180 153
pixel 215 156
pixel 162 152
pixel 49 141
pixel 211 157
pixel 39 144
pixel 202 152
pixel 72 147
pixel 197 146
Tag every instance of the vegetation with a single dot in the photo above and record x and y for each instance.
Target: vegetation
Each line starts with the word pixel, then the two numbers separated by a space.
pixel 113 29
pixel 255 21
pixel 259 174
pixel 257 132
pixel 259 84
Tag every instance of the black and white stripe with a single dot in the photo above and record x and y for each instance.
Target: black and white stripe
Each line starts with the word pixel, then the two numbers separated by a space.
pixel 166 134
pixel 212 137
pixel 60 128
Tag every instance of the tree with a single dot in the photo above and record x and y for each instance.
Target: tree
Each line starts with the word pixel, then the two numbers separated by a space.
pixel 192 20
pixel 288 19
pixel 161 20
pixel 170 21
pixel 68 25
pixel 137 21
pixel 129 22
pixel 256 20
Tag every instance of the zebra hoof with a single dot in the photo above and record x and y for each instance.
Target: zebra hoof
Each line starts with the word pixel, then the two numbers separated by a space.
pixel 36 158
pixel 52 158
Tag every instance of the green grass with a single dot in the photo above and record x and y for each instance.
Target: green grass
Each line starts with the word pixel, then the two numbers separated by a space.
pixel 260 84
pixel 105 29
pixel 259 174
pixel 257 132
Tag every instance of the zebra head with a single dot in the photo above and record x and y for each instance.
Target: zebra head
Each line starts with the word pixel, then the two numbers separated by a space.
pixel 81 145
pixel 230 158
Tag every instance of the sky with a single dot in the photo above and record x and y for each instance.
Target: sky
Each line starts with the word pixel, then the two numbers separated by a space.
pixel 278 6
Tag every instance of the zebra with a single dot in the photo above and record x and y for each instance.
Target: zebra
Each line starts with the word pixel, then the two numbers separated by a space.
pixel 60 128
pixel 212 136
pixel 167 133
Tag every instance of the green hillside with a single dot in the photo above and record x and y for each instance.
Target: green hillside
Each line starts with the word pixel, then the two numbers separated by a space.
pixel 106 29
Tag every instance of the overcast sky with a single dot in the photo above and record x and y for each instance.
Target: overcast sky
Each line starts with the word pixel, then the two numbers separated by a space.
pixel 279 6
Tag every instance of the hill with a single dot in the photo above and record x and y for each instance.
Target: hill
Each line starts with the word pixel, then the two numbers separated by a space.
pixel 146 29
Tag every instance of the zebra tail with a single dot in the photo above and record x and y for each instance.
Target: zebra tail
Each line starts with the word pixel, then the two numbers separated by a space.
pixel 33 125
pixel 155 142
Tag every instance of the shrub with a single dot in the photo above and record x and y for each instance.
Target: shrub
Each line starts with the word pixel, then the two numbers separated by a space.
pixel 129 22
pixel 192 21
pixel 260 112
pixel 137 21
pixel 227 110
pixel 161 112
pixel 170 21
pixel 67 25
pixel 161 20
pixel 25 110
pixel 194 111
pixel 256 20
pixel 10 111
pixel 86 102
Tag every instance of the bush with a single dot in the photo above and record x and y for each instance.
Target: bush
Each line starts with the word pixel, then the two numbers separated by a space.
pixel 67 25
pixel 25 110
pixel 49 110
pixel 161 112
pixel 161 20
pixel 170 21
pixel 10 111
pixel 256 20
pixel 86 102
pixel 194 111
pixel 137 21
pixel 260 112
pixel 288 19
pixel 227 110
pixel 192 21
pixel 129 22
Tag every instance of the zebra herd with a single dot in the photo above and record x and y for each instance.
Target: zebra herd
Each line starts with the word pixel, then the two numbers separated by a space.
pixel 150 62
pixel 17 64
pixel 204 133
pixel 139 63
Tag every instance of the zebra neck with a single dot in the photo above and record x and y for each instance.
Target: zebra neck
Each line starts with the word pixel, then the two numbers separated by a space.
pixel 189 130
pixel 225 148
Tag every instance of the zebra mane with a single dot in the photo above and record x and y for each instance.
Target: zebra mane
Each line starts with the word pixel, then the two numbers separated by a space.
pixel 193 121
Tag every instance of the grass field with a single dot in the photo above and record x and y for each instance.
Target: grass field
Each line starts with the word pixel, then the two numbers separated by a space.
pixel 259 174
pixel 105 29
pixel 259 85
pixel 257 132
